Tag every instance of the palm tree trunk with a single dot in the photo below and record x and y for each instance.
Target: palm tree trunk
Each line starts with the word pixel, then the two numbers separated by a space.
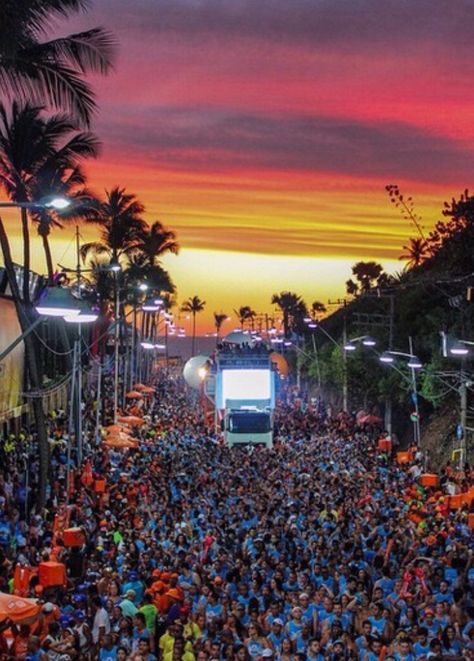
pixel 194 335
pixel 26 256
pixel 32 368
pixel 48 256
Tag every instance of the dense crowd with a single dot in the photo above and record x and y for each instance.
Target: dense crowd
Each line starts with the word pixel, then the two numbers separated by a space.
pixel 194 551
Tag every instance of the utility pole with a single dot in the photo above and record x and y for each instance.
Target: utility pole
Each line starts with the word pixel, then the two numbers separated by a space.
pixel 416 423
pixel 463 448
pixel 368 320
pixel 345 388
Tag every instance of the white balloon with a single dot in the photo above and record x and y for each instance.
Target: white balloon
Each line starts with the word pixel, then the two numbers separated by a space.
pixel 191 371
pixel 239 337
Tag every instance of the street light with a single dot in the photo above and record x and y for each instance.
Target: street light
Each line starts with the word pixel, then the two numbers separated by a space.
pixel 57 302
pixel 414 364
pixel 366 340
pixel 459 348
pixel 57 203
pixel 150 305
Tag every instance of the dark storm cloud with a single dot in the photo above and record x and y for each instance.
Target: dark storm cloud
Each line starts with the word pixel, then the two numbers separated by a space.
pixel 210 139
pixel 342 22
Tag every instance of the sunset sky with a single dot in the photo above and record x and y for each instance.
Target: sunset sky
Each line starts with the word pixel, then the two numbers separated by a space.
pixel 264 132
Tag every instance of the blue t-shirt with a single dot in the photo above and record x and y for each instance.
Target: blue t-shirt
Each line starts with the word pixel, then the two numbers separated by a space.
pixel 108 655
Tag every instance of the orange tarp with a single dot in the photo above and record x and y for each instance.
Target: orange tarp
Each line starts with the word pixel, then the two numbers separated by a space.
pixel 18 609
pixel 120 443
pixel 132 420
pixel 133 394
pixel 115 429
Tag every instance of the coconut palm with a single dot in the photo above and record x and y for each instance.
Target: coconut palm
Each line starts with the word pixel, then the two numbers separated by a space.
pixel 416 252
pixel 120 222
pixel 317 308
pixel 293 310
pixel 155 241
pixel 139 270
pixel 40 156
pixel 33 68
pixel 194 305
pixel 219 318
pixel 244 314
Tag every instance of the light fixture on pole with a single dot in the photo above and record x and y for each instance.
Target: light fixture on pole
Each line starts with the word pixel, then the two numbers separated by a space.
pixel 56 202
pixel 150 305
pixel 114 266
pixel 414 363
pixel 459 349
pixel 57 302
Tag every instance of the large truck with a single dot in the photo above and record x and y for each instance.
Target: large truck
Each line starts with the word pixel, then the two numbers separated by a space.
pixel 245 384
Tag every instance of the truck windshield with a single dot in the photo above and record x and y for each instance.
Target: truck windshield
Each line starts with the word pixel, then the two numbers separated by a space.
pixel 248 423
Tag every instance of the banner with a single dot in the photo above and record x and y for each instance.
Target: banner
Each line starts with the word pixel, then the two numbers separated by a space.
pixel 11 367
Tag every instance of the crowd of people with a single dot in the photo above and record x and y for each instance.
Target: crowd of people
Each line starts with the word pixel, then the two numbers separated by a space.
pixel 197 552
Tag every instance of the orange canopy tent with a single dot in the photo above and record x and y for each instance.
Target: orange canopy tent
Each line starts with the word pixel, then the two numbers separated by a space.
pixel 117 429
pixel 120 443
pixel 18 609
pixel 132 420
pixel 120 436
pixel 139 386
pixel 148 390
pixel 133 394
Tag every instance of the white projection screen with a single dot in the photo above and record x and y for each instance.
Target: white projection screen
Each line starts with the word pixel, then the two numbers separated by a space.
pixel 246 384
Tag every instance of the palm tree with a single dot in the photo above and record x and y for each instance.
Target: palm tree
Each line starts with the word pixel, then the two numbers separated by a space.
pixel 416 253
pixel 245 313
pixel 194 305
pixel 154 241
pixel 139 270
pixel 38 157
pixel 33 68
pixel 219 318
pixel 317 308
pixel 293 309
pixel 120 221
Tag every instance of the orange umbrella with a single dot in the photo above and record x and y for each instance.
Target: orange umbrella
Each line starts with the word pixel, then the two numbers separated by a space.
pixel 139 386
pixel 133 394
pixel 18 609
pixel 148 390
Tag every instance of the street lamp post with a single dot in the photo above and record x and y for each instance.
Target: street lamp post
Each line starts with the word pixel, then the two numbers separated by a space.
pixel 460 349
pixel 413 364
pixel 56 203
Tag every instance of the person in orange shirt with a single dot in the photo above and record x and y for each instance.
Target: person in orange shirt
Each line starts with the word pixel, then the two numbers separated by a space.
pixel 21 640
pixel 49 613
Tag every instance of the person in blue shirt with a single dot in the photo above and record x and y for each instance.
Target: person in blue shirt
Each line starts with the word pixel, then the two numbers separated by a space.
pixel 404 652
pixel 374 650
pixel 362 641
pixel 421 648
pixel 108 651
pixel 377 620
pixel 136 585
pixel 277 635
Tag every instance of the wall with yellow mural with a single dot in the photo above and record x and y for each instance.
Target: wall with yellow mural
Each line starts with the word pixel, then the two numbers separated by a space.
pixel 11 368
